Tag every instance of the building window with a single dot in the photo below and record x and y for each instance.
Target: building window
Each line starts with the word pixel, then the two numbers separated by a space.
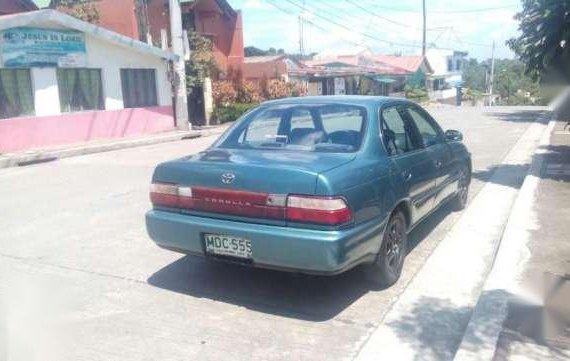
pixel 80 89
pixel 139 88
pixel 16 94
pixel 449 64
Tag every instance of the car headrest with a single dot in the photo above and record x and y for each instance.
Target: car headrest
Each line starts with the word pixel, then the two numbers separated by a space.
pixel 306 136
pixel 346 137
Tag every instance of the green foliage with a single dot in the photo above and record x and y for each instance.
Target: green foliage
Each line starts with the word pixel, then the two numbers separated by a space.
pixel 230 112
pixel 415 93
pixel 474 75
pixel 544 45
pixel 253 51
pixel 417 80
pixel 511 82
pixel 85 10
pixel 202 62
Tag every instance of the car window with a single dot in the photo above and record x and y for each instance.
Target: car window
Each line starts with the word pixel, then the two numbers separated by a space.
pixel 428 133
pixel 263 128
pixel 307 127
pixel 341 118
pixel 301 118
pixel 397 136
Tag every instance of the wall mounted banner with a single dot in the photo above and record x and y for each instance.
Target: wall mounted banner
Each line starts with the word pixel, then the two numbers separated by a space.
pixel 34 47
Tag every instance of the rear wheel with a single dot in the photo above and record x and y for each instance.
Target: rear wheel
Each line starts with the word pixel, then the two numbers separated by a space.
pixel 460 200
pixel 386 270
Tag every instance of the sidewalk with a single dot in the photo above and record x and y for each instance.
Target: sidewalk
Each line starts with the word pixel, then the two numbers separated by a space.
pixel 429 319
pixel 524 309
pixel 48 154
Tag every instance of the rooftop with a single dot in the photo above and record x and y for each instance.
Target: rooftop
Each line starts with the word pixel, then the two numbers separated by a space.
pixel 409 63
pixel 342 99
pixel 263 59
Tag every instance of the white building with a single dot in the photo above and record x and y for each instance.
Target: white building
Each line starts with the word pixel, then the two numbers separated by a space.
pixel 63 80
pixel 447 73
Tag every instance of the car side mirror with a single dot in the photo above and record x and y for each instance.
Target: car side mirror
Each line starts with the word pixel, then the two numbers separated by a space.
pixel 453 135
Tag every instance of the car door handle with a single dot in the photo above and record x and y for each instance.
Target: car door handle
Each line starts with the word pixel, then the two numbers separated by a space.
pixel 438 163
pixel 407 176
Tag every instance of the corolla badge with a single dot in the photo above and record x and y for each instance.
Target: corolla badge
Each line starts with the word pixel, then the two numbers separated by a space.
pixel 228 178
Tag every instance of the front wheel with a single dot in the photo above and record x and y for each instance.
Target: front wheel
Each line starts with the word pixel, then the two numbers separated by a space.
pixel 386 270
pixel 460 199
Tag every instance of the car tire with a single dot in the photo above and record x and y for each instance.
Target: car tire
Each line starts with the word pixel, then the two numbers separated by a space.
pixel 460 199
pixel 387 267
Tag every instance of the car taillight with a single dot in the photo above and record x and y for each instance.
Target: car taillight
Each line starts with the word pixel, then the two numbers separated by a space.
pixel 296 208
pixel 321 210
pixel 162 194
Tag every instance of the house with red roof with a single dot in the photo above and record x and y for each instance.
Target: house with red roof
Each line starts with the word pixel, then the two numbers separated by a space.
pixel 363 72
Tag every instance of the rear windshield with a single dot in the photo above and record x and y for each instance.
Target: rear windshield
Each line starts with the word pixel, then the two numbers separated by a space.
pixel 312 128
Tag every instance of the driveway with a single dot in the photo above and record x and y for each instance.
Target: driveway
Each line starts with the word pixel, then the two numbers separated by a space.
pixel 80 279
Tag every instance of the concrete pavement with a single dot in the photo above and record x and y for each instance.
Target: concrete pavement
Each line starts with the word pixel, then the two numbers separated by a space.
pixel 428 320
pixel 42 155
pixel 523 312
pixel 74 258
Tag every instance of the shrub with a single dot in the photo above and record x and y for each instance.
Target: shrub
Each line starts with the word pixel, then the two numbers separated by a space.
pixel 229 113
pixel 416 94
pixel 297 89
pixel 276 89
pixel 248 92
pixel 223 93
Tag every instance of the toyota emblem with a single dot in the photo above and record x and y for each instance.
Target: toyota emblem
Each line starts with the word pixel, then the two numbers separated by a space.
pixel 228 178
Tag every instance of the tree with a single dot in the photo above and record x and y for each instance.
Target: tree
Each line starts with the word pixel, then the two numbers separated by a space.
pixel 474 75
pixel 544 45
pixel 510 82
pixel 202 63
pixel 85 10
pixel 253 51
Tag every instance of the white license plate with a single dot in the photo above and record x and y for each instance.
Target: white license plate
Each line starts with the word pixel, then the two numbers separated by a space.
pixel 227 245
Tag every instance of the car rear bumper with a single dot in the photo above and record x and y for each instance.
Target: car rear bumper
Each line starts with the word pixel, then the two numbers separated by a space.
pixel 284 248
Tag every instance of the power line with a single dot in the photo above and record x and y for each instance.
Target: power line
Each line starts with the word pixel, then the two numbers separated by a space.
pixel 352 30
pixel 339 25
pixel 441 11
pixel 356 19
pixel 379 16
pixel 288 12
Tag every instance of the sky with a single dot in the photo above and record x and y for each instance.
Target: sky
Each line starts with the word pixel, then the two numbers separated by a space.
pixel 384 26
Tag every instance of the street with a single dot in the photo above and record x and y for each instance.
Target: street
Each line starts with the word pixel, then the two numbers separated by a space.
pixel 75 227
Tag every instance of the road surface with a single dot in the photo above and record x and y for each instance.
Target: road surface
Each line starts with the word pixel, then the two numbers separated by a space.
pixel 80 279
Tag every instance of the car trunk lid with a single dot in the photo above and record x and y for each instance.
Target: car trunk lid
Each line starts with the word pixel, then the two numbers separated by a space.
pixel 228 183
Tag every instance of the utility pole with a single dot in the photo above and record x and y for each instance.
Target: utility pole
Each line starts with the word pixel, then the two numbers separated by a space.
pixel 176 37
pixel 424 29
pixel 492 77
pixel 301 45
pixel 301 32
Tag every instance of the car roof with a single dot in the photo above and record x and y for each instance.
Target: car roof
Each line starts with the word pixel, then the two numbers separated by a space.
pixel 331 99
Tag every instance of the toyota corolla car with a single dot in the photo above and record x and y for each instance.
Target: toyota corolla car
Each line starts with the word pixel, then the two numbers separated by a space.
pixel 313 185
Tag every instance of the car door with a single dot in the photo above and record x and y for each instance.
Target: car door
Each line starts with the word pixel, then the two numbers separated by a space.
pixel 414 166
pixel 433 141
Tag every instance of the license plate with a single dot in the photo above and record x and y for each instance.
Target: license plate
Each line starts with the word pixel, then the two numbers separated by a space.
pixel 227 245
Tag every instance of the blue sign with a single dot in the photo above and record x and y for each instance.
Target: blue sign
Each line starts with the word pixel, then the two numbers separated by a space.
pixel 34 47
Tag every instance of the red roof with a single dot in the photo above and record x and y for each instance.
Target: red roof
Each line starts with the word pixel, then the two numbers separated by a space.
pixel 365 63
pixel 410 63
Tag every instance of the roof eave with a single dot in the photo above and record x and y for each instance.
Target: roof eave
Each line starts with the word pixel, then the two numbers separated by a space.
pixel 64 20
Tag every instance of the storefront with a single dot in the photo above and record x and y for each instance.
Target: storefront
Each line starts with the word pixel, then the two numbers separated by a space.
pixel 66 81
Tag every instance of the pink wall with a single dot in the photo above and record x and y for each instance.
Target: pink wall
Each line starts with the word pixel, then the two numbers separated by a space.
pixel 24 133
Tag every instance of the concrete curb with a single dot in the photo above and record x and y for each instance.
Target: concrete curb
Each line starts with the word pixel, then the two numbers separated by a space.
pixel 429 318
pixel 502 284
pixel 47 155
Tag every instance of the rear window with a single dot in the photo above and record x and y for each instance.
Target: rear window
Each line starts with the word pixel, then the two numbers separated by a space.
pixel 313 128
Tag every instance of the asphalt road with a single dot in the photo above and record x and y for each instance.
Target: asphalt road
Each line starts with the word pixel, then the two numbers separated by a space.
pixel 79 278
